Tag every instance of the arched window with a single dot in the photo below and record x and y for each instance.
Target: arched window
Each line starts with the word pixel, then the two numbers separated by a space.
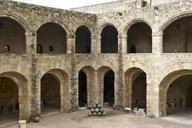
pixel 12 37
pixel 52 38
pixel 177 36
pixel 139 38
pixel 109 40
pixel 83 40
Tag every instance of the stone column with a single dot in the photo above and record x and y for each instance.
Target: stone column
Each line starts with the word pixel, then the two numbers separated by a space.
pixel 98 44
pixel 123 39
pixel 74 74
pixel 97 89
pixel 30 42
pixel 95 45
pixel 70 44
pixel 121 82
pixel 34 103
pixel 152 96
pixel 117 92
pixel 157 43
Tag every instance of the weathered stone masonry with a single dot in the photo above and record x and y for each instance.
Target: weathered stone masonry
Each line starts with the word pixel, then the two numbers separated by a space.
pixel 161 68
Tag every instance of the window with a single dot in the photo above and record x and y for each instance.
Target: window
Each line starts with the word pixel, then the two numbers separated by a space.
pixel 144 4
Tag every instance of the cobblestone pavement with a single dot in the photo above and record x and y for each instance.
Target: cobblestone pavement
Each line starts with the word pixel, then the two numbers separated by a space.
pixel 114 119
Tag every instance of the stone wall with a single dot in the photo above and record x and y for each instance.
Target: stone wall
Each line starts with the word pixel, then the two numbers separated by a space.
pixel 28 69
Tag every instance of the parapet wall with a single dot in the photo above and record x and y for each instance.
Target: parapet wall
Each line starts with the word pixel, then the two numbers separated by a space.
pixel 121 5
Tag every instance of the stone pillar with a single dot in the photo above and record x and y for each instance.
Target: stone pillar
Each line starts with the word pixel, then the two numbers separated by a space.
pixel 117 92
pixel 124 44
pixel 30 38
pixel 97 89
pixel 95 45
pixel 98 44
pixel 30 42
pixel 157 43
pixel 152 97
pixel 121 82
pixel 70 44
pixel 74 76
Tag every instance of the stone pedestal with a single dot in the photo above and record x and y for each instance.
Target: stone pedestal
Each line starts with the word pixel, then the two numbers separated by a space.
pixel 22 124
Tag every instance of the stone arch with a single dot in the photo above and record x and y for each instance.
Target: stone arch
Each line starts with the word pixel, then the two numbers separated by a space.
pixel 109 36
pixel 63 78
pixel 164 86
pixel 19 20
pixel 177 33
pixel 134 21
pixel 101 72
pixel 23 93
pixel 131 75
pixel 90 84
pixel 83 39
pixel 172 19
pixel 13 35
pixel 139 37
pixel 100 28
pixel 58 22
pixel 56 42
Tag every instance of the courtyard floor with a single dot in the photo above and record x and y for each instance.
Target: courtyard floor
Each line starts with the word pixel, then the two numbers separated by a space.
pixel 114 119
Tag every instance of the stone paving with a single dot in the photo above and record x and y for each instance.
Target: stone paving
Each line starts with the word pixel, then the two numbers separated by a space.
pixel 180 116
pixel 114 119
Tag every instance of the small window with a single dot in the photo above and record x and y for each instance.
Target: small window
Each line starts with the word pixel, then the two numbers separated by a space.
pixel 144 4
pixel 6 48
pixel 39 48
pixel 50 48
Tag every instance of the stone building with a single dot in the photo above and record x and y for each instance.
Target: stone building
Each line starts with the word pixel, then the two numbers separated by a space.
pixel 128 53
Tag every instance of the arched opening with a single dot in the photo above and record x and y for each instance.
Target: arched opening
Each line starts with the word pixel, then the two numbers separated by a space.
pixel 179 95
pixel 82 89
pixel 139 38
pixel 83 40
pixel 12 39
pixel 109 40
pixel 139 91
pixel 50 93
pixel 109 78
pixel 9 103
pixel 14 101
pixel 174 93
pixel 136 88
pixel 52 39
pixel 177 36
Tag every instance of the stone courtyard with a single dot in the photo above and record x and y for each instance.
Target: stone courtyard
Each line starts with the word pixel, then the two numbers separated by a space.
pixel 134 54
pixel 114 119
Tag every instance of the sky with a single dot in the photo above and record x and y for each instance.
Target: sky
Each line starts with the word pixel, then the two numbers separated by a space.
pixel 65 4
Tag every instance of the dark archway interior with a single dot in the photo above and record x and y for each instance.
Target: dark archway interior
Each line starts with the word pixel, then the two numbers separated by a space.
pixel 82 89
pixel 139 91
pixel 51 38
pixel 189 95
pixel 9 106
pixel 50 93
pixel 83 40
pixel 12 37
pixel 109 40
pixel 139 39
pixel 109 88
pixel 179 95
pixel 177 36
